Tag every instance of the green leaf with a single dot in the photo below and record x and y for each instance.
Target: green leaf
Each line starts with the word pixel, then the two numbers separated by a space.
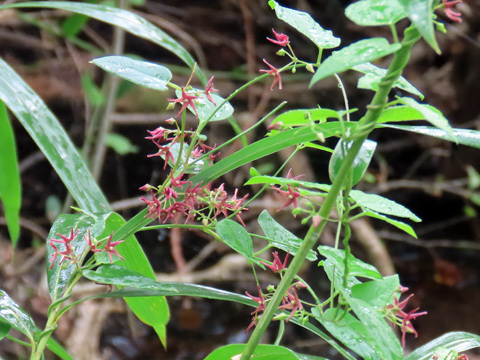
pixel 281 238
pixel 349 330
pixel 382 205
pixel 10 184
pixel 473 178
pixel 420 13
pixel 59 276
pixel 58 350
pixel 262 352
pixel 19 319
pixel 357 53
pixel 462 136
pixel 402 113
pixel 305 24
pixel 92 91
pixel 377 293
pixel 273 180
pixel 356 266
pixel 300 117
pixel 458 341
pixel 434 117
pixel 205 108
pixel 398 224
pixel 360 163
pixel 375 12
pixel 121 144
pixel 234 235
pixel 73 24
pixel 143 73
pixel 4 328
pixel 126 20
pixel 374 74
pixel 268 146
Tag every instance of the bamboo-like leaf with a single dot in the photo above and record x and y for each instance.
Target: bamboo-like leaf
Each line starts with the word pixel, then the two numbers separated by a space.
pixel 458 341
pixel 10 184
pixel 19 319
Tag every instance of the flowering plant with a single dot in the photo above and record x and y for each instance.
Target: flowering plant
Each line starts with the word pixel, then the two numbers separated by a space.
pixel 363 307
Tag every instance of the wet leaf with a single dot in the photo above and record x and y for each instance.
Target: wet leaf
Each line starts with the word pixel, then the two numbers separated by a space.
pixel 10 184
pixel 4 328
pixel 398 224
pixel 19 319
pixel 373 76
pixel 357 53
pixel 377 293
pixel 143 73
pixel 360 163
pixel 402 113
pixel 458 341
pixel 262 352
pixel 205 108
pixel 301 117
pixel 382 205
pixel 420 13
pixel 305 24
pixel 281 238
pixel 234 235
pixel 375 12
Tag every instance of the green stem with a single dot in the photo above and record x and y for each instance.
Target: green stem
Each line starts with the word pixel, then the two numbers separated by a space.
pixel 367 124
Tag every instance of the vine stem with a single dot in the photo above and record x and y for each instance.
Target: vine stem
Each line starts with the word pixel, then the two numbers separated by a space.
pixel 366 125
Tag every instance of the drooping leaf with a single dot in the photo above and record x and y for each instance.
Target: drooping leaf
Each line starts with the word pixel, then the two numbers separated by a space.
pixel 420 13
pixel 19 319
pixel 305 24
pixel 398 224
pixel 374 74
pixel 458 341
pixel 434 117
pixel 360 163
pixel 463 136
pixel 360 52
pixel 126 20
pixel 382 205
pixel 10 184
pixel 375 12
pixel 234 235
pixel 262 352
pixel 143 73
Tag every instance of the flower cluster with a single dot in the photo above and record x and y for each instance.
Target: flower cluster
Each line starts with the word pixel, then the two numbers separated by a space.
pixel 179 199
pixel 395 314
pixel 69 251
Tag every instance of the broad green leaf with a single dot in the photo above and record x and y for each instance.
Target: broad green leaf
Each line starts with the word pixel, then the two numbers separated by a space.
pixel 458 341
pixel 301 117
pixel 356 266
pixel 281 238
pixel 19 319
pixel 375 12
pixel 433 117
pixel 462 136
pixel 374 74
pixel 4 328
pixel 262 352
pixel 360 163
pixel 357 53
pixel 377 293
pixel 206 110
pixel 126 20
pixel 235 236
pixel 73 24
pixel 349 330
pixel 152 311
pixel 399 224
pixel 121 144
pixel 402 113
pixel 420 13
pixel 10 184
pixel 59 276
pixel 305 24
pixel 58 350
pixel 382 205
pixel 143 73
pixel 139 285
pixel 268 146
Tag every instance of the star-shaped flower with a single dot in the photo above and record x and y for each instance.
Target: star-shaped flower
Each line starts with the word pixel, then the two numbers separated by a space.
pixel 276 75
pixel 282 39
pixel 110 248
pixel 209 88
pixel 186 100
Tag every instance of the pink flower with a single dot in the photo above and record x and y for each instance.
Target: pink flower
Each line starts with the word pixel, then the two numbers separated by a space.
pixel 165 151
pixel 210 89
pixel 291 196
pixel 186 101
pixel 277 264
pixel 176 182
pixel 88 239
pixel 110 248
pixel 67 253
pixel 276 75
pixel 173 211
pixel 259 299
pixel 157 134
pixel 291 302
pixel 282 39
pixel 154 206
pixel 452 14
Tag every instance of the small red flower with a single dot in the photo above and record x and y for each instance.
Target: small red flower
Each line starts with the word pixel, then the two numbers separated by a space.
pixel 186 101
pixel 210 89
pixel 165 151
pixel 452 14
pixel 282 39
pixel 277 264
pixel 158 134
pixel 291 196
pixel 259 299
pixel 276 75
pixel 154 206
pixel 173 210
pixel 291 302
pixel 93 247
pixel 176 182
pixel 110 248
